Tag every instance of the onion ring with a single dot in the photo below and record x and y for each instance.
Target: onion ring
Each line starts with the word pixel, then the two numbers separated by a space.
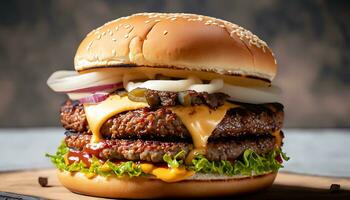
pixel 213 86
pixel 79 86
pixel 164 85
pixel 253 95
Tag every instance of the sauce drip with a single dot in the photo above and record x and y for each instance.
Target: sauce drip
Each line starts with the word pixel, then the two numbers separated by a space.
pixel 95 148
pixel 77 156
pixel 89 151
pixel 98 114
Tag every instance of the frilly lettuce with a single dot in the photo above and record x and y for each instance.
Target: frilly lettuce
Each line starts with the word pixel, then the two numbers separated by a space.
pixel 249 164
pixel 96 167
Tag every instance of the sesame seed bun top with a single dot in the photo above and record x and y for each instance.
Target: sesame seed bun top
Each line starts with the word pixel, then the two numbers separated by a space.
pixel 177 41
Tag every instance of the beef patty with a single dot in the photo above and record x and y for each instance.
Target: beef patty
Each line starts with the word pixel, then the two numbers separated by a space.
pixel 153 151
pixel 163 125
pixel 156 98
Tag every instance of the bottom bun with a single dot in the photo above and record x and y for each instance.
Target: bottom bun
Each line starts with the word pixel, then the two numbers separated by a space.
pixel 141 188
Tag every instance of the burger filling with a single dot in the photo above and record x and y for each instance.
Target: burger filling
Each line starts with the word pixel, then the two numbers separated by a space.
pixel 170 136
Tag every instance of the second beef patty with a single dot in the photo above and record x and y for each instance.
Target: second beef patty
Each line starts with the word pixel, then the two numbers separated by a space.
pixel 153 151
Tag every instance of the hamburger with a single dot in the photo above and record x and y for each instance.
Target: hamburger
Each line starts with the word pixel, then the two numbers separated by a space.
pixel 169 105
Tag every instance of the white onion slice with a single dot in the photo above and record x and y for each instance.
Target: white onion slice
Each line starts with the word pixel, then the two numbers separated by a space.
pixel 164 85
pixel 86 87
pixel 67 81
pixel 127 78
pixel 213 86
pixel 253 95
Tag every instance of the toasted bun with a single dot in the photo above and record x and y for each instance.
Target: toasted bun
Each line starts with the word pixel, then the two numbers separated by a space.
pixel 177 41
pixel 141 188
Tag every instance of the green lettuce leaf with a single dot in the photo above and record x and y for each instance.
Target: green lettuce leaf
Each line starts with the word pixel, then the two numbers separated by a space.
pixel 125 168
pixel 176 161
pixel 249 164
pixel 58 158
pixel 108 168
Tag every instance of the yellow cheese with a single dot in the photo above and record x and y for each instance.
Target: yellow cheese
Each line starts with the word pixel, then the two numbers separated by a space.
pixel 201 122
pixel 147 168
pixel 167 174
pixel 278 137
pixel 105 168
pixel 98 114
pixel 90 175
pixel 172 174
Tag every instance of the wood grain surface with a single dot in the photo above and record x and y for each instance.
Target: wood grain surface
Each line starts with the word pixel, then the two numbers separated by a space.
pixel 287 186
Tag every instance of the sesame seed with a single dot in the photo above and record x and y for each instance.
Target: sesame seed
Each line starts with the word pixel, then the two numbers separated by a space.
pixel 253 42
pixel 235 30
pixel 114 52
pixel 132 28
pixel 89 45
pixel 114 40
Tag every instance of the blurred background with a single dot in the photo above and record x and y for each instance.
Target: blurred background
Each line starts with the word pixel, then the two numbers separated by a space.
pixel 309 38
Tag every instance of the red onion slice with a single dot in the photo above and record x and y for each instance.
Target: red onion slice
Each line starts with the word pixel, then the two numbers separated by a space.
pixel 94 98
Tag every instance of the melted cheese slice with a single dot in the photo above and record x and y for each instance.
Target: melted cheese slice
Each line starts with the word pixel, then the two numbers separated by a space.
pixel 278 138
pixel 201 122
pixel 167 174
pixel 98 114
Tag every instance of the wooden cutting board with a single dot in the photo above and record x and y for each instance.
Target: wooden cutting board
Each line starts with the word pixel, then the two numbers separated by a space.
pixel 286 186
